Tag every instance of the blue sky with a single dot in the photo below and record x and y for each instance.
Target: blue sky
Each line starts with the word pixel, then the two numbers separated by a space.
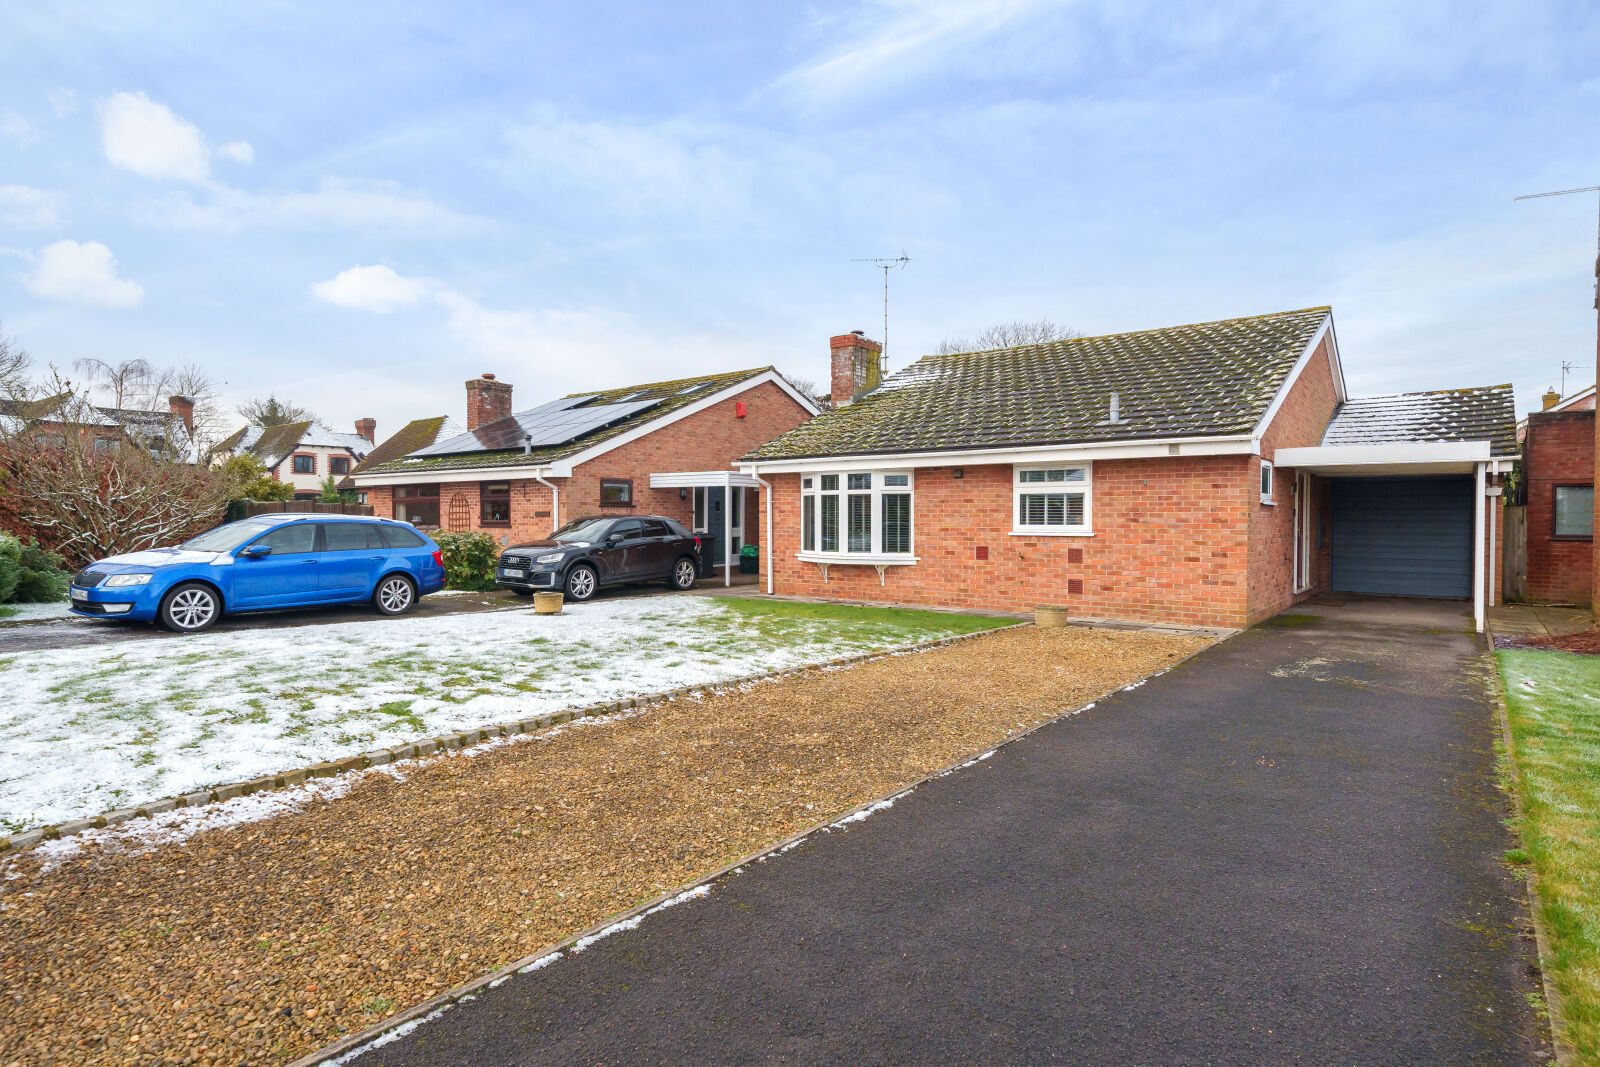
pixel 358 207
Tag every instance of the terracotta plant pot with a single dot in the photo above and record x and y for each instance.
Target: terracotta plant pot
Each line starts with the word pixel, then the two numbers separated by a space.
pixel 547 603
pixel 1049 616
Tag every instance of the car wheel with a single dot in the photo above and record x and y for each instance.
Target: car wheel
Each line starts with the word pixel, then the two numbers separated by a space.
pixel 684 573
pixel 190 608
pixel 395 595
pixel 581 583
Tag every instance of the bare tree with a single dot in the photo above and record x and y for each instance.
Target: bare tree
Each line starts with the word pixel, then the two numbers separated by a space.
pixel 808 387
pixel 1009 335
pixel 192 381
pixel 275 412
pixel 15 365
pixel 124 384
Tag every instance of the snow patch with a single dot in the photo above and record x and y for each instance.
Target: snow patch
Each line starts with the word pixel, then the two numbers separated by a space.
pixel 633 923
pixel 391 1036
pixel 540 963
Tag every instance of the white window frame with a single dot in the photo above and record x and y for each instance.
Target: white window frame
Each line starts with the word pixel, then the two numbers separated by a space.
pixel 811 488
pixel 1020 489
pixel 1265 481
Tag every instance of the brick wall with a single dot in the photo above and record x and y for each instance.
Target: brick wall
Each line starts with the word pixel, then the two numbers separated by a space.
pixel 1169 545
pixel 1299 423
pixel 708 440
pixel 1559 450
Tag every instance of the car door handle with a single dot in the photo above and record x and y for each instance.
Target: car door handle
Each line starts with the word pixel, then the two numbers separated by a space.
pixel 308 562
pixel 375 558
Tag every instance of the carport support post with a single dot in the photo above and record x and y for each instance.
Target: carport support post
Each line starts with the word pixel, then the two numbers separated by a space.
pixel 1477 548
pixel 727 529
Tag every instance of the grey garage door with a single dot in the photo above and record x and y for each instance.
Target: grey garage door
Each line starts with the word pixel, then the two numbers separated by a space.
pixel 1403 536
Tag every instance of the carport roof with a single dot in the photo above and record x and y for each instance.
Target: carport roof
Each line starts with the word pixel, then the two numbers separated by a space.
pixel 1488 414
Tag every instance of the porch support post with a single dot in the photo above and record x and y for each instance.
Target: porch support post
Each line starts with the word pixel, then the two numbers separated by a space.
pixel 1477 549
pixel 766 498
pixel 727 526
pixel 1493 505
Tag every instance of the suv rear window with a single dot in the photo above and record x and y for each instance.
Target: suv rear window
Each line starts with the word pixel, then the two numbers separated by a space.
pixel 676 528
pixel 400 537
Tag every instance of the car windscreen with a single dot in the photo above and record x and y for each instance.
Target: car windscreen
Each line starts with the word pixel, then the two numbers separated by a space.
pixel 590 529
pixel 226 538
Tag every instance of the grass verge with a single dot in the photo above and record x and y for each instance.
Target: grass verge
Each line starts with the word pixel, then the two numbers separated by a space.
pixel 758 612
pixel 1553 705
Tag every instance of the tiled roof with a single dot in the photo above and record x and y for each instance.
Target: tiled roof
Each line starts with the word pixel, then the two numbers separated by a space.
pixel 150 427
pixel 1208 379
pixel 270 444
pixel 674 394
pixel 1484 414
pixel 418 433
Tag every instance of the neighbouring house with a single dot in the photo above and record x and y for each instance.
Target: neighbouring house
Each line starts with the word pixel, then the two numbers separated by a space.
pixel 1210 474
pixel 661 448
pixel 303 453
pixel 57 419
pixel 1558 489
pixel 413 436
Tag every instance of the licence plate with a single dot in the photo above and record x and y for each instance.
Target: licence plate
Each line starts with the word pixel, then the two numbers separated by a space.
pixel 513 572
pixel 79 594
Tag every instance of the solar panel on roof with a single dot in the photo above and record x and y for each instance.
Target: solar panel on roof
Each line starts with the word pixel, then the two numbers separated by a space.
pixel 555 423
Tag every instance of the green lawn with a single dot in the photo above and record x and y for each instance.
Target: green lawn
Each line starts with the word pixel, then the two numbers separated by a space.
pixel 1553 702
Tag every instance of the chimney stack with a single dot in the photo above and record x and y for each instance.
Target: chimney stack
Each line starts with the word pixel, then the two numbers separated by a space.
pixel 368 428
pixel 857 366
pixel 1551 399
pixel 487 401
pixel 183 407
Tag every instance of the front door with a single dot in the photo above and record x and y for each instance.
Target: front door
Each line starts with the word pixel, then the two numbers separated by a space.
pixel 286 575
pixel 717 525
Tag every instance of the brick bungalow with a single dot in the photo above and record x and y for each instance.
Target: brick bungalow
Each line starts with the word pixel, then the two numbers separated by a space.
pixel 662 448
pixel 1210 474
pixel 1558 450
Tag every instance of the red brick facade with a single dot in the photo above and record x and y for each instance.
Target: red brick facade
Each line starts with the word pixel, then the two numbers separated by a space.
pixel 1176 539
pixel 1559 450
pixel 709 440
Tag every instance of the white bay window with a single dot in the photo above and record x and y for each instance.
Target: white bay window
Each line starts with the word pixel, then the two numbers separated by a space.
pixel 1052 500
pixel 862 516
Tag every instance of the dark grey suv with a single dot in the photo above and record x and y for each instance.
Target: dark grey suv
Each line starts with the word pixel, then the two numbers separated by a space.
pixel 600 550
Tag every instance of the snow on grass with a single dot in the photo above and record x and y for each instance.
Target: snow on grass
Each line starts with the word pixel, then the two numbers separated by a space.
pixel 84 730
pixel 60 609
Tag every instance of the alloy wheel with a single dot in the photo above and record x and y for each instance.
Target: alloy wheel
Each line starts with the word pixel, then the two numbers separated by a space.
pixel 581 584
pixel 683 574
pixel 191 609
pixel 395 595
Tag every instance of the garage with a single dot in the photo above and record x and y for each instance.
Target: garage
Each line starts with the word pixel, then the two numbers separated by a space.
pixel 1403 536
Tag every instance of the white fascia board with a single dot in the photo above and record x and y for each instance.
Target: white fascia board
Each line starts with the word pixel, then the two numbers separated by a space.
pixel 481 474
pixel 1325 330
pixel 708 479
pixel 1154 448
pixel 564 467
pixel 1401 454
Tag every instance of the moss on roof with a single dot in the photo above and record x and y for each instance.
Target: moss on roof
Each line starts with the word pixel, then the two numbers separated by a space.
pixel 418 433
pixel 672 394
pixel 1204 379
pixel 1485 413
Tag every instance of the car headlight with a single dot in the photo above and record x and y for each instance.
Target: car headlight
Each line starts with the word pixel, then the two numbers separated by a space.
pixel 550 557
pixel 128 579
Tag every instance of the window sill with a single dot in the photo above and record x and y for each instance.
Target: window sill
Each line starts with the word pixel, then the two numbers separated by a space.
pixel 1269 503
pixel 606 505
pixel 497 525
pixel 1571 537
pixel 1051 531
pixel 870 559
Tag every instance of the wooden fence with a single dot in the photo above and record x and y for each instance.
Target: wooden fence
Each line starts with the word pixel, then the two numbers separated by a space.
pixel 263 507
pixel 1514 555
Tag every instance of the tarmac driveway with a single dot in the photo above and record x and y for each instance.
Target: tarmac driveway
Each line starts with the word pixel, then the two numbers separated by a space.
pixel 1287 850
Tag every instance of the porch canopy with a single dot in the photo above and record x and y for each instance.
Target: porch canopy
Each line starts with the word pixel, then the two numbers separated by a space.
pixel 729 480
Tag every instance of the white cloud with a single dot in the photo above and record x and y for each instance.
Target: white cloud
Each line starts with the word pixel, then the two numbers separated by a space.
pixel 21 205
pixel 377 289
pixel 900 39
pixel 15 126
pixel 337 202
pixel 239 152
pixel 82 274
pixel 145 137
pixel 63 102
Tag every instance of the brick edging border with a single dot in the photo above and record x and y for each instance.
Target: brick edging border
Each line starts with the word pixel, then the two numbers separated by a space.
pixel 1565 1055
pixel 471 987
pixel 446 743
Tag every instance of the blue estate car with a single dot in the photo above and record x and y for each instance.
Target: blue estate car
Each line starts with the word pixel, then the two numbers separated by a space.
pixel 261 563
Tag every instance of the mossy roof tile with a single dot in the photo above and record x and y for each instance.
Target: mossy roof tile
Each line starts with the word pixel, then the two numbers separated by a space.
pixel 1205 379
